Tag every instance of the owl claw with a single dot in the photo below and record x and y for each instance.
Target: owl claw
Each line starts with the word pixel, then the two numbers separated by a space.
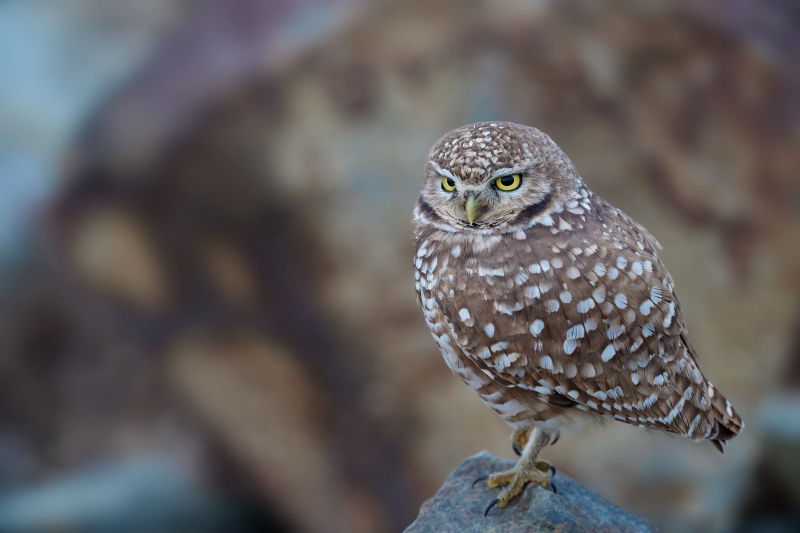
pixel 489 507
pixel 480 478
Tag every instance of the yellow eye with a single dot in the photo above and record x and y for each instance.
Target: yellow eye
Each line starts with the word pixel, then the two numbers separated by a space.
pixel 448 184
pixel 508 183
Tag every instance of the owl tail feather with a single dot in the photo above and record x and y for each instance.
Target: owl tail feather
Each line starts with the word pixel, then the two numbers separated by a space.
pixel 727 425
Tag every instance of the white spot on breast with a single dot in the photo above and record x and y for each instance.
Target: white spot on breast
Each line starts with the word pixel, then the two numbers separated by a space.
pixel 585 305
pixel 535 268
pixel 546 362
pixel 599 294
pixel 645 308
pixel 655 294
pixel 576 332
pixel 608 353
pixel 569 346
pixel 573 394
pixel 573 272
pixel 463 313
pixel 500 346
pixel 537 327
pixel 544 287
pixel 456 251
pixel 532 292
pixel 521 277
pixel 519 235
pixel 600 269
pixel 621 301
pixel 660 379
pixel 621 262
pixel 489 272
pixel 502 307
pixel 635 378
pixel 670 313
pixel 613 273
pixel 637 269
pixel 588 371
pixel 557 262
pixel 484 353
pixel 565 297
pixel 553 306
pixel 648 329
pixel 614 332
pixel 590 324
pixel 545 265
pixel 489 329
pixel 418 262
pixel 688 393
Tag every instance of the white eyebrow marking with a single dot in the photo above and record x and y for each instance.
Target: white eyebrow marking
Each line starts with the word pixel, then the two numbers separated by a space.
pixel 442 171
pixel 505 171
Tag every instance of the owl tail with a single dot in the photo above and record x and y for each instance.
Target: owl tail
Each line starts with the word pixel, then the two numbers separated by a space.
pixel 728 424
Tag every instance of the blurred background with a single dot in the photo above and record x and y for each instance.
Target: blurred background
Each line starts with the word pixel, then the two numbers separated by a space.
pixel 207 313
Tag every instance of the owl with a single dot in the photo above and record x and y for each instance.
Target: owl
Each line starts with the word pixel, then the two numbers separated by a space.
pixel 549 302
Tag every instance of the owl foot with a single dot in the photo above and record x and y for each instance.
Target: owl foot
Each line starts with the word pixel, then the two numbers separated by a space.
pixel 515 481
pixel 544 466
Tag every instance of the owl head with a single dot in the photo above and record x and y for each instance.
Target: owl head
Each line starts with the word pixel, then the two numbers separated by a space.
pixel 494 177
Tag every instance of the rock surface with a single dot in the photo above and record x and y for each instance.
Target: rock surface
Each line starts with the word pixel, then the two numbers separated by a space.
pixel 458 506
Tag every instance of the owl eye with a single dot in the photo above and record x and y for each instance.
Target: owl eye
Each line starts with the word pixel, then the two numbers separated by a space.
pixel 508 183
pixel 448 184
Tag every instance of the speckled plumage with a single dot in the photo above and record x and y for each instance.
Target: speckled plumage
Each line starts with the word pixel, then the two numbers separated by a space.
pixel 553 305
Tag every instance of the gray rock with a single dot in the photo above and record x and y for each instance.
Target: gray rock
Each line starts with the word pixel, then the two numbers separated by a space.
pixel 458 507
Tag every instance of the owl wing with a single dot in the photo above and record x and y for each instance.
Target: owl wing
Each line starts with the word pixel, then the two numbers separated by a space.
pixel 595 327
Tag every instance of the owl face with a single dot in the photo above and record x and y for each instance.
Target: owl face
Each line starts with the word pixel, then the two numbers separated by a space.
pixel 495 176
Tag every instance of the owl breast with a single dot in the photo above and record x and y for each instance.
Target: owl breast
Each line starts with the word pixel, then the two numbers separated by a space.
pixel 566 315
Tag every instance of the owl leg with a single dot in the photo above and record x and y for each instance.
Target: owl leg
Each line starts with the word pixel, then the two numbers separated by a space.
pixel 519 439
pixel 528 469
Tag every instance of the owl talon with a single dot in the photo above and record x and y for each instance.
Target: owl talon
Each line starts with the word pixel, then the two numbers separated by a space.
pixel 489 507
pixel 480 478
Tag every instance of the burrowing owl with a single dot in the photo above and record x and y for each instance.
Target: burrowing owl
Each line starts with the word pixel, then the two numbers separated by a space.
pixel 549 302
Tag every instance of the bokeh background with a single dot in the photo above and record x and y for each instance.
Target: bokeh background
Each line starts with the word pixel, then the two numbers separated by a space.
pixel 207 314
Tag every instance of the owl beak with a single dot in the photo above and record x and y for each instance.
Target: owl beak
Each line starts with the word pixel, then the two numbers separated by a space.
pixel 472 208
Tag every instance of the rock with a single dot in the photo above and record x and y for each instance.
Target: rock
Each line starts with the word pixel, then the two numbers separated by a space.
pixel 458 507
